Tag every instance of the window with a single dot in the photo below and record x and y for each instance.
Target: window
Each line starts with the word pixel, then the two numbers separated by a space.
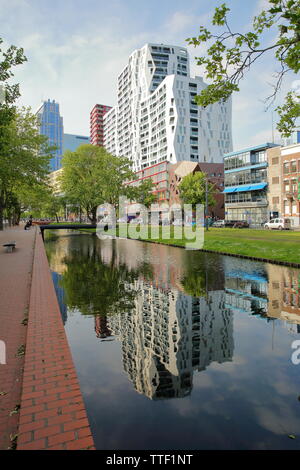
pixel 275 161
pixel 286 167
pixel 275 180
pixel 293 166
pixel 287 208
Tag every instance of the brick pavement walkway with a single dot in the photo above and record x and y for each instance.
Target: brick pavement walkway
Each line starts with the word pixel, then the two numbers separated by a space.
pixel 52 413
pixel 15 280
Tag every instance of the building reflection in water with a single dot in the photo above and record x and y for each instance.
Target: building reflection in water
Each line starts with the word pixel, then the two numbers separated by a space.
pixel 172 310
pixel 169 335
pixel 267 290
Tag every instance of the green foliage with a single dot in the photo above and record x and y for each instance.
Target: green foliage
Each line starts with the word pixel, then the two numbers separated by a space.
pixel 40 201
pixel 192 189
pixel 9 59
pixel 225 65
pixel 288 113
pixel 97 287
pixel 143 193
pixel 91 177
pixel 23 165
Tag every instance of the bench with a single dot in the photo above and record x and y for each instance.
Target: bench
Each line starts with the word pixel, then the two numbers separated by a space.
pixel 9 246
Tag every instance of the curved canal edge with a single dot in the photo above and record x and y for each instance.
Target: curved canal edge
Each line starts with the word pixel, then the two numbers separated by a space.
pixel 52 412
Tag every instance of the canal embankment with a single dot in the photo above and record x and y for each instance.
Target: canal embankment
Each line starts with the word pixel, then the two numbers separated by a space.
pixel 277 247
pixel 41 403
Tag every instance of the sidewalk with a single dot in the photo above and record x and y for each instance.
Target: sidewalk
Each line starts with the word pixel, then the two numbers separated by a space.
pixel 15 281
pixel 41 405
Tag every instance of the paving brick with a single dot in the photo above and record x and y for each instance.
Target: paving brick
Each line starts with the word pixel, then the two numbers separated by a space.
pixel 15 280
pixel 51 392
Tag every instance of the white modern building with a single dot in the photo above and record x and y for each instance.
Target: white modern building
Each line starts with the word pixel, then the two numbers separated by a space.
pixel 156 119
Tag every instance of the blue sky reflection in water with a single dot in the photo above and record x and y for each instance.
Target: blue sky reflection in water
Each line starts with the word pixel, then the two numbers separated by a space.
pixel 177 349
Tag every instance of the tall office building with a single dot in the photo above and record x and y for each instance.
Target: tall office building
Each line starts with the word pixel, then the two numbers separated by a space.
pixel 72 141
pixel 156 118
pixel 51 125
pixel 96 124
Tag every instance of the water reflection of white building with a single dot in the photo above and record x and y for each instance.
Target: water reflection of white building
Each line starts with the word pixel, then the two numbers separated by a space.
pixel 168 335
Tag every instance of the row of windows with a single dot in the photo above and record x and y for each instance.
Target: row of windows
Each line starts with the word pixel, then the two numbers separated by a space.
pixel 248 196
pixel 244 159
pixel 291 167
pixel 245 177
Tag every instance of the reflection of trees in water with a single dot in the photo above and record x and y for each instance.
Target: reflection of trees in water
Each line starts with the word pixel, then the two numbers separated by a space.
pixel 95 287
pixel 200 276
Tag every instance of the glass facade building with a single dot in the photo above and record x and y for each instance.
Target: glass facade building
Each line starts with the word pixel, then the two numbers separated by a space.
pixel 72 142
pixel 51 125
pixel 246 184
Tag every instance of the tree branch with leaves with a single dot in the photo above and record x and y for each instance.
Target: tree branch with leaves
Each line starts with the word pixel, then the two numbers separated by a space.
pixel 232 54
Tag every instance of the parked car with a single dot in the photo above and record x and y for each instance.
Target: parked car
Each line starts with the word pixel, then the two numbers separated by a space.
pixel 279 224
pixel 230 223
pixel 241 224
pixel 219 223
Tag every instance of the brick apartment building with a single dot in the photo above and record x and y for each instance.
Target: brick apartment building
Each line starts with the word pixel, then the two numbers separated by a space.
pixel 284 183
pixel 167 178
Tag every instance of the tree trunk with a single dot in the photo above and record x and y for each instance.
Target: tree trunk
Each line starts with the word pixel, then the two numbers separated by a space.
pixel 1 217
pixel 1 209
pixel 94 216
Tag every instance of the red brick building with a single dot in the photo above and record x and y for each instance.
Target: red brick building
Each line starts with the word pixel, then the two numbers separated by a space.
pixel 167 178
pixel 215 176
pixel 96 124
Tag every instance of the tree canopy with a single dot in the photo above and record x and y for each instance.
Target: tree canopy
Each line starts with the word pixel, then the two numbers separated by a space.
pixel 91 177
pixel 193 189
pixel 24 159
pixel 230 55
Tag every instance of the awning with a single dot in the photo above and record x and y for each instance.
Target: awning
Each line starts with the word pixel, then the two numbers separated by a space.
pixel 245 187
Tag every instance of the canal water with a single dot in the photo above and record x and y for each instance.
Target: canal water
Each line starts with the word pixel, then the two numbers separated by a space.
pixel 178 349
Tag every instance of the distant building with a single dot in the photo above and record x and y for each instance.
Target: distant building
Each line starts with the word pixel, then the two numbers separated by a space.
pixel 156 118
pixel 284 183
pixel 72 142
pixel 51 125
pixel 215 176
pixel 167 178
pixel 246 184
pixel 96 124
pixel 54 182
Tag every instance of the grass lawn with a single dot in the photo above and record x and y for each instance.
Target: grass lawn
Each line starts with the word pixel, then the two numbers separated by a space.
pixel 269 244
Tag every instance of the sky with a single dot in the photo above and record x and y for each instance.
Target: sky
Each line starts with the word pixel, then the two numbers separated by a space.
pixel 77 48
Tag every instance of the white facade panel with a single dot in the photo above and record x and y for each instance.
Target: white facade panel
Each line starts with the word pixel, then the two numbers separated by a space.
pixel 156 118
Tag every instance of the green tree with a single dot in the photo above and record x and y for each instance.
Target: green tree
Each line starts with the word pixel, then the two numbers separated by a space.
pixel 9 58
pixel 91 177
pixel 144 193
pixel 40 201
pixel 192 189
pixel 96 287
pixel 231 54
pixel 24 158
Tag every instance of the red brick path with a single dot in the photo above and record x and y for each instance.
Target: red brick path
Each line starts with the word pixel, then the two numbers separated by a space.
pixel 52 414
pixel 15 280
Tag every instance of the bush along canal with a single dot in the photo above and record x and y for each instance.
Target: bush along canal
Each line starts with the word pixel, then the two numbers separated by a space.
pixel 177 349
